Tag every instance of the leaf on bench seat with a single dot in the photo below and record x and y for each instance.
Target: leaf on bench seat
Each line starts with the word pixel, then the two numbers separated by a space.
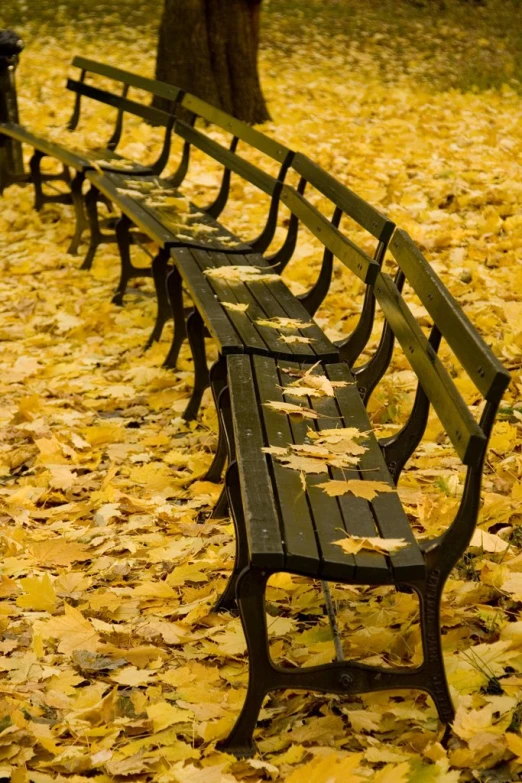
pixel 340 441
pixel 292 410
pixel 238 307
pixel 283 322
pixel 295 338
pixel 353 544
pixel 240 274
pixel 309 458
pixel 361 489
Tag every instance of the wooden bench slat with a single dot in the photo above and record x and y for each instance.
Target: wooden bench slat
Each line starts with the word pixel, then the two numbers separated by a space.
pixel 149 113
pixel 261 519
pixel 371 567
pixel 343 248
pixel 461 427
pixel 236 127
pixel 353 205
pixel 256 176
pixel 214 316
pixel 161 89
pixel 261 338
pixel 391 519
pixel 302 555
pixel 326 515
pixel 479 361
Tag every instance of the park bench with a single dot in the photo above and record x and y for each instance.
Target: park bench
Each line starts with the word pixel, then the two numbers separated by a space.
pixel 106 158
pixel 148 202
pixel 236 315
pixel 286 522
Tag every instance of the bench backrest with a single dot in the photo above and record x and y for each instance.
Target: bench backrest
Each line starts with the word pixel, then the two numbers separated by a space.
pixel 337 244
pixel 122 103
pixel 232 162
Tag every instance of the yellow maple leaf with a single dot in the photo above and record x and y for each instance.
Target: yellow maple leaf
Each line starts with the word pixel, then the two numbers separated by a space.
pixel 57 551
pixel 74 631
pixel 353 544
pixel 237 307
pixel 132 676
pixel 162 714
pixel 358 487
pixel 329 769
pixel 39 594
pixel 291 409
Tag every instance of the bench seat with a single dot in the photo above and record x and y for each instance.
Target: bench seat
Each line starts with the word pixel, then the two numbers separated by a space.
pixel 80 161
pixel 289 527
pixel 163 224
pixel 236 330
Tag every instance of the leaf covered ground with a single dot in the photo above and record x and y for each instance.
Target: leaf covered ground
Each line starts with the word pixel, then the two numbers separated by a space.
pixel 113 666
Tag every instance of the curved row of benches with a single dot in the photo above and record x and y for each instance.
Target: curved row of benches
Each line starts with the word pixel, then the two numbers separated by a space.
pixel 272 354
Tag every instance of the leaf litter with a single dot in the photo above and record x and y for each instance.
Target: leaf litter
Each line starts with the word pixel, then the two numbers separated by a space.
pixel 68 445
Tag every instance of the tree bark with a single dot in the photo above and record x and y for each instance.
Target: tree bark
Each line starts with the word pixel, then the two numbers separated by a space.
pixel 209 48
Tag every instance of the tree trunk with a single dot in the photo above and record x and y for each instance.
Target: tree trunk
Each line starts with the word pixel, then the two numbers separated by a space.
pixel 209 48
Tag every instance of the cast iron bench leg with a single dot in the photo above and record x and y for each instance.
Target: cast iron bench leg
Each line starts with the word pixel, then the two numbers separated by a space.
pixel 175 297
pixel 227 600
pixel 250 592
pixel 91 200
pixel 79 207
pixel 196 338
pixel 122 235
pixel 218 379
pixel 436 683
pixel 163 313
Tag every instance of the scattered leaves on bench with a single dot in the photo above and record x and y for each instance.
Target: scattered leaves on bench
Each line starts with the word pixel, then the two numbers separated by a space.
pixel 308 458
pixel 240 274
pixel 353 544
pixel 358 487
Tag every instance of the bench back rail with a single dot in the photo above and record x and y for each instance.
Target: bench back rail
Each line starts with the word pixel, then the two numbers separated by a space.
pixel 123 104
pixel 233 163
pixel 344 202
pixel 435 386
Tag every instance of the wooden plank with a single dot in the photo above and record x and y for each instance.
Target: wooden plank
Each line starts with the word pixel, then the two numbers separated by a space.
pixel 320 344
pixel 327 519
pixel 236 127
pixel 148 113
pixel 242 321
pixel 353 205
pixel 343 248
pixel 163 90
pixel 479 361
pixel 302 555
pixel 370 567
pixel 107 185
pixel 204 299
pixel 407 563
pixel 466 435
pixel 263 530
pixel 256 176
pixel 63 154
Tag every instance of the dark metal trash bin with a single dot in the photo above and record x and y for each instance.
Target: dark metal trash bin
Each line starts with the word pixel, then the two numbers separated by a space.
pixel 11 160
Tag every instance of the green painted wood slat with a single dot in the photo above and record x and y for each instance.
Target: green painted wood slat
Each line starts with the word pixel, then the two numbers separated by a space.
pixel 343 248
pixel 461 427
pixel 482 366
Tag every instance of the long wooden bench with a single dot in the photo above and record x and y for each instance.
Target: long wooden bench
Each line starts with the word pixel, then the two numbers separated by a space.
pixel 287 521
pixel 152 204
pixel 106 158
pixel 240 314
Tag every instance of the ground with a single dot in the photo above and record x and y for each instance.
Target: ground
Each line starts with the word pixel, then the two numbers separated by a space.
pixel 113 665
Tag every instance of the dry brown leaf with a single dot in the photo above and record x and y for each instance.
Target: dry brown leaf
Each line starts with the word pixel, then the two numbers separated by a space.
pixel 282 322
